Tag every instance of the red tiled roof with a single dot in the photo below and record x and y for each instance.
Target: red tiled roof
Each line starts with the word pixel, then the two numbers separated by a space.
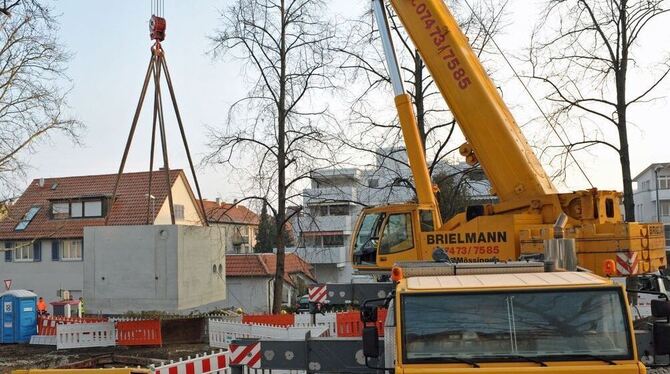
pixel 264 265
pixel 230 213
pixel 130 207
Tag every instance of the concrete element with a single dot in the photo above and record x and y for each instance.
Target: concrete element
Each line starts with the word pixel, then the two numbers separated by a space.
pixel 647 205
pixel 222 333
pixel 85 335
pixel 167 268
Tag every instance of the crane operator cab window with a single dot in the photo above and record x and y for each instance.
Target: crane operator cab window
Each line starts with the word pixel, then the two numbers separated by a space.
pixel 397 234
pixel 365 244
pixel 383 234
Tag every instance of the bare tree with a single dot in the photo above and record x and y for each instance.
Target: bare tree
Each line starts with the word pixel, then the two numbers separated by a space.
pixel 365 66
pixel 583 51
pixel 285 47
pixel 32 76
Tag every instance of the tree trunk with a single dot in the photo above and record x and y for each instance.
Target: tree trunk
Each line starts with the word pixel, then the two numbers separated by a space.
pixel 281 170
pixel 622 125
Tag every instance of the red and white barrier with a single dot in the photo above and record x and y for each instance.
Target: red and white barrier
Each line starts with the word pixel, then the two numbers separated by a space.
pixel 204 364
pixel 249 355
pixel 318 293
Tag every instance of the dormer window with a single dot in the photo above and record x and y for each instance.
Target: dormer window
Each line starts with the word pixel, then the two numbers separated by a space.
pixel 88 208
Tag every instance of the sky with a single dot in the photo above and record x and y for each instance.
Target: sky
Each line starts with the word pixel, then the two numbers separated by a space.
pixel 110 46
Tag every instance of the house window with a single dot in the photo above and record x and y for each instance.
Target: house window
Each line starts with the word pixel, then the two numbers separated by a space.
pixel 23 251
pixel 373 183
pixel 60 210
pixel 333 240
pixel 93 208
pixel 178 211
pixel 667 235
pixel 339 210
pixel 665 208
pixel 70 250
pixel 663 182
pixel 27 218
pixel 77 209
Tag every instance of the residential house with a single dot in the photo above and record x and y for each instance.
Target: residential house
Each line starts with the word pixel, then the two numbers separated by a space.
pixel 42 237
pixel 249 280
pixel 652 196
pixel 239 222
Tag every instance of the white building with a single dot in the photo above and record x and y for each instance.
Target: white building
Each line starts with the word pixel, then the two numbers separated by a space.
pixel 654 181
pixel 331 206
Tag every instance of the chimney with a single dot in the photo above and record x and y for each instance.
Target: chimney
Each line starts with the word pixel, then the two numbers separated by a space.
pixel 234 201
pixel 41 182
pixel 218 201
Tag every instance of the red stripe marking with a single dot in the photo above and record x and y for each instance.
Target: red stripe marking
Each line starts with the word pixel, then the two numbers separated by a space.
pixel 205 365
pixel 221 361
pixel 173 370
pixel 239 357
pixel 623 262
pixel 254 360
pixel 190 368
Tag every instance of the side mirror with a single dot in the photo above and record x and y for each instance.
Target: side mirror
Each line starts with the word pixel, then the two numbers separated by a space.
pixel 369 314
pixel 371 341
pixel 661 338
pixel 660 308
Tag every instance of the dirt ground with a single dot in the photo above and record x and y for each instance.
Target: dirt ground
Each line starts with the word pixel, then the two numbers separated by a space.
pixel 24 356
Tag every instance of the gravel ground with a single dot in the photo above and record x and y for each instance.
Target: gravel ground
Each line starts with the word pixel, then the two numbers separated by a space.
pixel 24 356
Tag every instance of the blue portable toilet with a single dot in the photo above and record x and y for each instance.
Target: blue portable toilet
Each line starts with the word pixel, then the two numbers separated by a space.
pixel 18 315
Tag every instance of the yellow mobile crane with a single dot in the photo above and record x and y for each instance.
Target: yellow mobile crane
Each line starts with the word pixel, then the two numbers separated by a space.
pixel 530 209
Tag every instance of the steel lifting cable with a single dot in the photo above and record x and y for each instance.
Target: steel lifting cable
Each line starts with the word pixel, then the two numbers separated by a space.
pixel 525 87
pixel 158 8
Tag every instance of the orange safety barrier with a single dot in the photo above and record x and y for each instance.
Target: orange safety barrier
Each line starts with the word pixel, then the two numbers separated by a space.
pixel 47 325
pixel 349 324
pixel 279 320
pixel 141 332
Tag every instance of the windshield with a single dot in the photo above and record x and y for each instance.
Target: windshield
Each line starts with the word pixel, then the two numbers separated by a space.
pixel 365 245
pixel 560 325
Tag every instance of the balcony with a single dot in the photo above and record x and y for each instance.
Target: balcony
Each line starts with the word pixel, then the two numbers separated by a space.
pixel 330 194
pixel 326 255
pixel 325 223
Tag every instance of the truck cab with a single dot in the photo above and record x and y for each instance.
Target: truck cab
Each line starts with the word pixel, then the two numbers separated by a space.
pixel 507 318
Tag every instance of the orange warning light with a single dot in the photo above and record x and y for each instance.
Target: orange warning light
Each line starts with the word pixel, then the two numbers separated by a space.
pixel 609 267
pixel 396 274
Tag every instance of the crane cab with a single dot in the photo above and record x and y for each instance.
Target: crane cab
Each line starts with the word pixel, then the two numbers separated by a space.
pixel 389 234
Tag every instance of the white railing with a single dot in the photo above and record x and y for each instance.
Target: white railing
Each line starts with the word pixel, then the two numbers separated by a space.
pixel 327 319
pixel 222 333
pixel 85 335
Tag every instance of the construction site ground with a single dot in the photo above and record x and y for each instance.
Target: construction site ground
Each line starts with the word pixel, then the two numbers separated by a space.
pixel 25 356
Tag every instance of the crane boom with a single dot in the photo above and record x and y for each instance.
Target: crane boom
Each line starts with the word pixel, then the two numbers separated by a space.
pixel 494 138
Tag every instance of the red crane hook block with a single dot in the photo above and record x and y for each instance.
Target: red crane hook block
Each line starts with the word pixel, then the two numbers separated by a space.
pixel 157 27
